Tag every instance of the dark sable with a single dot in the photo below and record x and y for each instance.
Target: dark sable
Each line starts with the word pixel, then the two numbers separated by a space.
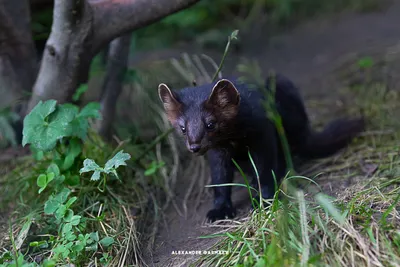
pixel 226 119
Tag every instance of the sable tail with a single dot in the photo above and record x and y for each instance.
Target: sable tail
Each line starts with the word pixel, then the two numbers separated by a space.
pixel 334 137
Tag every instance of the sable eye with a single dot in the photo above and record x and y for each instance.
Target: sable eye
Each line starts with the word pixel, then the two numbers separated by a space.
pixel 183 129
pixel 210 125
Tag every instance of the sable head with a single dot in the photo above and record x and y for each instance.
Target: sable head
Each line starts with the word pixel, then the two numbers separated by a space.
pixel 204 119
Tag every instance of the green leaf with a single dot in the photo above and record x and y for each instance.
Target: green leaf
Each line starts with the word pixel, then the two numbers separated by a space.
pixel 37 154
pixel 53 168
pixel 35 118
pixel 67 228
pixel 45 125
pixel 76 219
pixel 234 34
pixel 81 90
pixel 42 180
pixel 107 241
pixel 91 110
pixel 71 201
pixel 88 166
pixel 261 262
pixel 68 162
pixel 54 202
pixel 68 215
pixel 51 205
pixel 366 63
pixel 63 195
pixel 118 160
pixel 153 168
pixel 95 176
pixel 74 149
pixel 62 209
pixel 70 236
pixel 80 124
pixel 95 236
pixel 49 263
pixel 78 247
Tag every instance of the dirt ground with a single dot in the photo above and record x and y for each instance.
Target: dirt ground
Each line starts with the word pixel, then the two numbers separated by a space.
pixel 309 54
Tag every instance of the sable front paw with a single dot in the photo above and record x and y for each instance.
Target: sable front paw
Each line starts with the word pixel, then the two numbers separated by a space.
pixel 221 214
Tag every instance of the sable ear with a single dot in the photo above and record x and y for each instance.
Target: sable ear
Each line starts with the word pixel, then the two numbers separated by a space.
pixel 224 94
pixel 171 105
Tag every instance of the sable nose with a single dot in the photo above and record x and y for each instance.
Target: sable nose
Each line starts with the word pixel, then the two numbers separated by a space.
pixel 195 148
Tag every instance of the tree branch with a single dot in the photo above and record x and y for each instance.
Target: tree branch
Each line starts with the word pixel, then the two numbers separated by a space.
pixel 113 18
pixel 81 28
pixel 117 62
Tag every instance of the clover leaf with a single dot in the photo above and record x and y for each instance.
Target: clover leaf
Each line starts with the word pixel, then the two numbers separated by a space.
pixel 118 160
pixel 88 166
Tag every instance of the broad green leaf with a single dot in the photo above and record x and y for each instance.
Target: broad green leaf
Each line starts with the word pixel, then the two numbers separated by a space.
pixel 107 241
pixel 44 126
pixel 36 118
pixel 118 160
pixel 80 126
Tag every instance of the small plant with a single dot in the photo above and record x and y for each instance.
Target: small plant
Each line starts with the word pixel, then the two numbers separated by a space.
pixel 55 134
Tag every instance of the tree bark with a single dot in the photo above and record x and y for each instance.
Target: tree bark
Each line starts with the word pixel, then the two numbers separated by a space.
pixel 117 63
pixel 18 65
pixel 81 29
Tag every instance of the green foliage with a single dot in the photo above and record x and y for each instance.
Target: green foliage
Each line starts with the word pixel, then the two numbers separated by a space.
pixel 47 124
pixel 41 23
pixel 7 133
pixel 79 92
pixel 154 167
pixel 365 63
pixel 57 132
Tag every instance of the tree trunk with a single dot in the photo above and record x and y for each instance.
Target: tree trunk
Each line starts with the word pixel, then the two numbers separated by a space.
pixel 18 63
pixel 81 29
pixel 117 62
